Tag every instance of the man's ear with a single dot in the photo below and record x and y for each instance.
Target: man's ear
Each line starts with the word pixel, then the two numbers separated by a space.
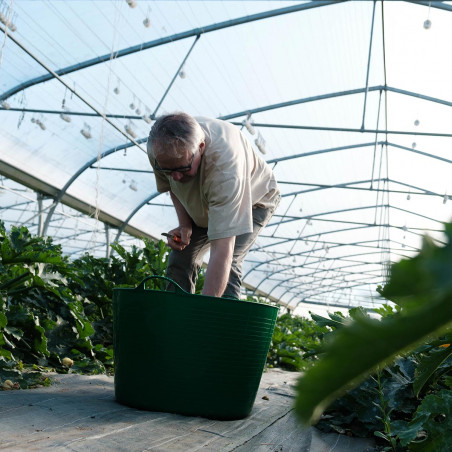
pixel 202 146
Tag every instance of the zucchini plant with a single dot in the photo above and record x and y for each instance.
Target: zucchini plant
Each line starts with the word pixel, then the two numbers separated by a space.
pixel 420 331
pixel 52 308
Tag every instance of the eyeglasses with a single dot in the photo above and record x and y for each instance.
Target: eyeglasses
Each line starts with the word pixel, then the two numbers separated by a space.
pixel 181 169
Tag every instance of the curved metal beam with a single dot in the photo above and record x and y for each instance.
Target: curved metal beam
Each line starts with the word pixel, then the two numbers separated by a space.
pixel 166 40
pixel 285 256
pixel 332 288
pixel 324 260
pixel 72 90
pixel 437 4
pixel 63 191
pixel 309 275
pixel 330 232
pixel 134 211
pixel 346 129
pixel 278 105
pixel 368 64
pixel 303 100
pixel 324 292
pixel 324 151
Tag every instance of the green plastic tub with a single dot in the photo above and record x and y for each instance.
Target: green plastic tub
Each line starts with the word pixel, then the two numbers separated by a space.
pixel 189 354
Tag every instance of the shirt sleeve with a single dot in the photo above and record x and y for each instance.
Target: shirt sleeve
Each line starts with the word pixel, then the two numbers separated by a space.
pixel 230 204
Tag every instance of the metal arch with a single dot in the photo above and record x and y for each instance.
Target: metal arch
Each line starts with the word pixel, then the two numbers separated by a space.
pixel 416 151
pixel 271 260
pixel 353 286
pixel 316 291
pixel 323 151
pixel 341 258
pixel 55 75
pixel 134 211
pixel 333 247
pixel 184 35
pixel 69 113
pixel 337 270
pixel 368 64
pixel 281 105
pixel 382 206
pixel 350 186
pixel 437 4
pixel 323 233
pixel 365 226
pixel 347 129
pixel 320 283
pixel 153 115
pixel 320 293
pixel 309 274
pixel 166 40
pixel 304 100
pixel 76 175
pixel 324 292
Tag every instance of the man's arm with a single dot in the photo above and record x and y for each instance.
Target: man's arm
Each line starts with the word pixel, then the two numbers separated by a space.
pixel 184 230
pixel 217 275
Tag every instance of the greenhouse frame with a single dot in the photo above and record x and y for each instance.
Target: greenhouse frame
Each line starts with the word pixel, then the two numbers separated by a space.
pixel 349 102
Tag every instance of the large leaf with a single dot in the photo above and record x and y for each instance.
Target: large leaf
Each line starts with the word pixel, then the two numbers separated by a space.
pixel 23 248
pixel 3 320
pixel 423 287
pixel 434 416
pixel 358 350
pixel 427 367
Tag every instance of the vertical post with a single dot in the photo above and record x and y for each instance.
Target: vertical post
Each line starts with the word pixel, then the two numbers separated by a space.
pixel 107 241
pixel 368 66
pixel 40 215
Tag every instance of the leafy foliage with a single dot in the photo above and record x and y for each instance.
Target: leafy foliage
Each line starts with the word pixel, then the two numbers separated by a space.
pixel 51 308
pixel 417 335
pixel 294 342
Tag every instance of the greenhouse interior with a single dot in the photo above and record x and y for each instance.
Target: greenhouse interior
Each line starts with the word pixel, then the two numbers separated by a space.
pixel 349 103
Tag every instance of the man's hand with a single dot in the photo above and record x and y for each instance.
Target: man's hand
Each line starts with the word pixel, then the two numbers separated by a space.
pixel 184 234
pixel 217 275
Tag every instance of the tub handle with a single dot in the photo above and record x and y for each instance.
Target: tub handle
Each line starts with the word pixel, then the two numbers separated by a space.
pixel 177 288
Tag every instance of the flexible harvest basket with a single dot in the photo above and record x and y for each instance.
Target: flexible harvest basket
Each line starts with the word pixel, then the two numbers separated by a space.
pixel 189 354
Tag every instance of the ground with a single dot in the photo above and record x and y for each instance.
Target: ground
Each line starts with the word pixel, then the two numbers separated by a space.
pixel 80 413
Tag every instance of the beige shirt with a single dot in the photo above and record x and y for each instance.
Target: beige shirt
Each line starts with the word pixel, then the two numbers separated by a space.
pixel 231 180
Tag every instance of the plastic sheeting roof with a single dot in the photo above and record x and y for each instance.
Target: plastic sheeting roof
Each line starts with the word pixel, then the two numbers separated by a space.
pixel 351 100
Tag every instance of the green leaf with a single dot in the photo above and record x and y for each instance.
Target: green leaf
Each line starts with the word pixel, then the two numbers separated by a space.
pixel 382 435
pixel 323 321
pixel 423 287
pixel 14 332
pixel 427 367
pixel 3 320
pixel 434 415
pixel 356 351
pixel 5 353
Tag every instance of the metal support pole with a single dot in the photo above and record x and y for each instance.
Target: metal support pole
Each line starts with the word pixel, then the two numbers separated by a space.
pixel 40 215
pixel 174 78
pixel 107 241
pixel 368 64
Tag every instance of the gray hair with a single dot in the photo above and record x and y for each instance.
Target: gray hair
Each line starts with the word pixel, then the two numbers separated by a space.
pixel 175 134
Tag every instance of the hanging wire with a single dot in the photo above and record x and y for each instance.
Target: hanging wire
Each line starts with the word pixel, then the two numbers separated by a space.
pixel 5 36
pixel 101 135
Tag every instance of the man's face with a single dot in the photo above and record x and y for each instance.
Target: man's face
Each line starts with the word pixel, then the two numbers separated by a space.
pixel 186 162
